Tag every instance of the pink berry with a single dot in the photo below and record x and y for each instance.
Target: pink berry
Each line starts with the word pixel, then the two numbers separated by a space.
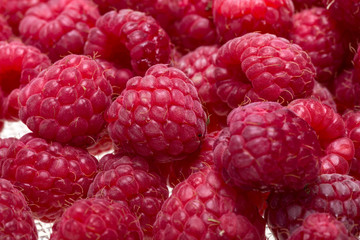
pixel 5 29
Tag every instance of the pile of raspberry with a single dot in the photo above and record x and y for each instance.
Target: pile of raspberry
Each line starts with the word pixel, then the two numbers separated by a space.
pixel 180 119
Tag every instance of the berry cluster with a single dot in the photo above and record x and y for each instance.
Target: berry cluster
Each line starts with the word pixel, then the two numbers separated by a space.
pixel 180 119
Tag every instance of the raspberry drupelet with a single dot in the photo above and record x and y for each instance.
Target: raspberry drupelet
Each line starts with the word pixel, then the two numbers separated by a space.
pixel 158 116
pixel 264 67
pixel 59 27
pixel 346 90
pixel 323 94
pixel 234 18
pixel 66 101
pixel 95 218
pixel 5 29
pixel 136 37
pixel 352 123
pixel 16 219
pixel 50 175
pixel 131 181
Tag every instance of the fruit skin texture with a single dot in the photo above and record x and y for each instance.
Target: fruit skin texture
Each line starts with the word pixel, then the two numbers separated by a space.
pixel 136 37
pixel 204 207
pixel 321 226
pixel 158 116
pixel 346 91
pixel 352 123
pixel 93 218
pixel 66 101
pixel 59 27
pixel 304 4
pixel 324 95
pixel 5 29
pixel 235 18
pixel 51 176
pixel 130 181
pixel 319 35
pixel 16 219
pixel 270 148
pixel 19 64
pixel 336 194
pixel 264 67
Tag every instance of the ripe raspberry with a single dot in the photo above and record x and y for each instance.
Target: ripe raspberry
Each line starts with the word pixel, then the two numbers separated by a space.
pixel 18 65
pixel 336 194
pixel 321 226
pixel 323 94
pixel 66 101
pixel 16 220
pixel 352 123
pixel 130 180
pixel 304 4
pixel 158 116
pixel 4 145
pixel 199 66
pixel 264 67
pixel 318 34
pixel 235 18
pixel 136 37
pixel 205 207
pixel 97 219
pixel 117 77
pixel 50 175
pixel 147 6
pixel 5 29
pixel 59 27
pixel 270 148
pixel 346 91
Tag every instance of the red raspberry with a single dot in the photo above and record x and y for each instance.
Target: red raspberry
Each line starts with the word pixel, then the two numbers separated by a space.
pixel 323 94
pixel 318 34
pixel 130 181
pixel 303 4
pixel 199 66
pixel 336 194
pixel 345 12
pixel 50 175
pixel 147 6
pixel 270 148
pixel 136 37
pixel 158 116
pixel 16 220
pixel 5 29
pixel 4 145
pixel 346 91
pixel 235 18
pixel 66 101
pixel 59 27
pixel 321 226
pixel 97 219
pixel 18 65
pixel 205 207
pixel 352 123
pixel 264 67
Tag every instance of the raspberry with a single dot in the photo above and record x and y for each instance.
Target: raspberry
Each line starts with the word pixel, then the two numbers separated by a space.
pixel 66 101
pixel 16 220
pixel 130 180
pixel 18 65
pixel 264 67
pixel 321 226
pixel 136 37
pixel 352 123
pixel 234 19
pixel 59 27
pixel 97 219
pixel 199 66
pixel 147 6
pixel 323 94
pixel 50 175
pixel 346 91
pixel 304 4
pixel 158 116
pixel 204 207
pixel 4 145
pixel 104 144
pixel 336 194
pixel 269 148
pixel 318 34
pixel 5 29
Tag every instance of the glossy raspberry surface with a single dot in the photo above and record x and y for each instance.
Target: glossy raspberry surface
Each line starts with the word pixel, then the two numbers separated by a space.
pixel 346 90
pixel 51 176
pixel 235 18
pixel 66 101
pixel 130 180
pixel 204 207
pixel 323 94
pixel 321 226
pixel 97 219
pixel 158 116
pixel 4 145
pixel 270 148
pixel 59 27
pixel 320 36
pixel 16 221
pixel 19 64
pixel 264 67
pixel 352 123
pixel 5 29
pixel 336 194
pixel 136 37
